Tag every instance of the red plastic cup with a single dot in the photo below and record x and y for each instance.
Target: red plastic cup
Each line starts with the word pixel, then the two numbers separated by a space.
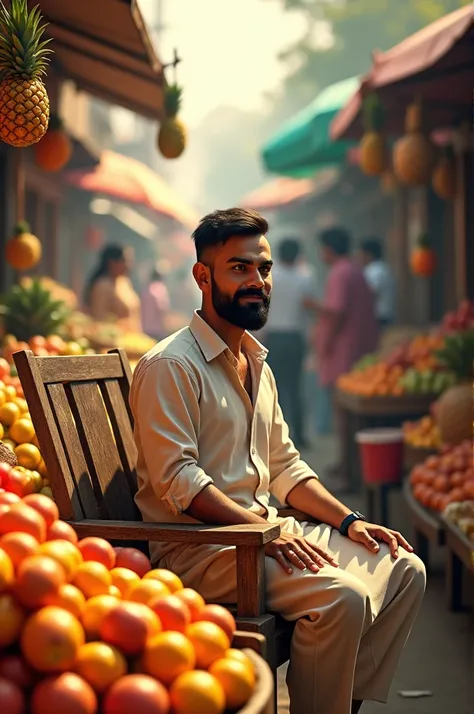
pixel 381 454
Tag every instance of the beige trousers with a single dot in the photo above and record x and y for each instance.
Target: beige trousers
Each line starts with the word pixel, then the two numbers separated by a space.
pixel 352 621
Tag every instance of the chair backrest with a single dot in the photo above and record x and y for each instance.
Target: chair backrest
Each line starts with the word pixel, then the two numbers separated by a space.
pixel 80 411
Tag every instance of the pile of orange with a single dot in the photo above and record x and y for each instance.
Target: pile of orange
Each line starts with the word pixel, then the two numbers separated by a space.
pixel 423 433
pixel 375 380
pixel 86 628
pixel 445 479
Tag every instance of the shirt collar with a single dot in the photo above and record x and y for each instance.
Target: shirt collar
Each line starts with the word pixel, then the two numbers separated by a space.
pixel 212 345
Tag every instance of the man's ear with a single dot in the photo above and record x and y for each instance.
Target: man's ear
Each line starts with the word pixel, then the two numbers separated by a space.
pixel 201 275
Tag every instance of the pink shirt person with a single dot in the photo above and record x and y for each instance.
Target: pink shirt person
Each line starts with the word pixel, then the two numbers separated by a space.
pixel 155 306
pixel 346 292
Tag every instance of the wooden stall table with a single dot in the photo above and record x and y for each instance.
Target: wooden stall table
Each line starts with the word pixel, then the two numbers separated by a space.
pixel 356 413
pixel 459 564
pixel 428 526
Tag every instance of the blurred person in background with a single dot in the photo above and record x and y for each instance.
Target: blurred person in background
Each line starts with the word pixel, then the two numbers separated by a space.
pixel 285 332
pixel 380 278
pixel 110 295
pixel 346 329
pixel 155 306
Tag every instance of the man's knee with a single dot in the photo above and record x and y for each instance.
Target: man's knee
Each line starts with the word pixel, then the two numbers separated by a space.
pixel 353 600
pixel 414 569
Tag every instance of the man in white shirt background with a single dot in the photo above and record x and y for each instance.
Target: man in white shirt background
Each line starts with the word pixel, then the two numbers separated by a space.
pixel 380 279
pixel 286 332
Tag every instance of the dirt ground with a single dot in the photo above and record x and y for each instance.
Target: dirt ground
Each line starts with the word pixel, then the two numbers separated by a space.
pixel 439 656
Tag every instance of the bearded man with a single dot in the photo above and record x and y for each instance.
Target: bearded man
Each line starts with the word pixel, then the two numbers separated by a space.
pixel 213 445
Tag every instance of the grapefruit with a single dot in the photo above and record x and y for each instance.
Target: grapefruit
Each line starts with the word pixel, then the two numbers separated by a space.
pixel 45 506
pixel 12 618
pixel 193 600
pixel 173 613
pixel 236 680
pixel 195 692
pixel 92 578
pixel 219 616
pixel 132 559
pixel 20 517
pixel 124 579
pixel 128 626
pixel 18 546
pixel 172 582
pixel 146 590
pixel 38 577
pixel 137 693
pixel 94 613
pixel 209 641
pixel 51 639
pixel 167 655
pixel 100 665
pixel 99 550
pixel 65 693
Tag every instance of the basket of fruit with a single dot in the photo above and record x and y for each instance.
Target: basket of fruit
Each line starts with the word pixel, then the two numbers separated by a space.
pixel 92 629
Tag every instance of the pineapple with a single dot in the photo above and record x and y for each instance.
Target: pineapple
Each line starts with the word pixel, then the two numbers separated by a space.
pixel 172 134
pixel 24 102
pixel 29 310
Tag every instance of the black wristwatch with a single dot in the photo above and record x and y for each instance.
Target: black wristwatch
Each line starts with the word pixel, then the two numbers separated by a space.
pixel 355 516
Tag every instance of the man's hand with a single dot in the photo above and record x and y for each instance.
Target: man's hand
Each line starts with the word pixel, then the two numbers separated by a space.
pixel 369 533
pixel 290 550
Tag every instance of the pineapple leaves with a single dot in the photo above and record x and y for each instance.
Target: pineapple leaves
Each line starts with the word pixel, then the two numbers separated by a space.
pixel 23 51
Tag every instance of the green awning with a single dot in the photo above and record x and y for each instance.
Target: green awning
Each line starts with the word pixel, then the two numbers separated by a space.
pixel 303 145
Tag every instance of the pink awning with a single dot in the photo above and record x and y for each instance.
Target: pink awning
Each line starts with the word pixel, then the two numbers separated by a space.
pixel 129 180
pixel 437 63
pixel 285 191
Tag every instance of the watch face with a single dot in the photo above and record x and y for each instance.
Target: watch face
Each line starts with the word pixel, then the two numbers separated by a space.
pixel 360 515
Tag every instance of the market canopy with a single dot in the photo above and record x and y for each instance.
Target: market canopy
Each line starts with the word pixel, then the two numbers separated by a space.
pixel 127 179
pixel 285 191
pixel 303 144
pixel 104 47
pixel 436 63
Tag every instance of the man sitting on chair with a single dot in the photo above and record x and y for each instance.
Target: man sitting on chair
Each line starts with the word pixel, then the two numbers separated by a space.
pixel 213 445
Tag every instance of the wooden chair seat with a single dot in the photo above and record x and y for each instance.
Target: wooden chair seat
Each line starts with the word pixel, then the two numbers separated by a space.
pixel 80 410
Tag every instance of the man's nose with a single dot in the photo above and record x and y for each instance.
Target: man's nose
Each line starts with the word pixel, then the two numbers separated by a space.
pixel 256 280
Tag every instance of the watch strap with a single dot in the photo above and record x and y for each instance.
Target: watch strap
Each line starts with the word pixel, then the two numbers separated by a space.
pixel 348 520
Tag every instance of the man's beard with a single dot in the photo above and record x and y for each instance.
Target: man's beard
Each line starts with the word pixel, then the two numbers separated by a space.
pixel 249 316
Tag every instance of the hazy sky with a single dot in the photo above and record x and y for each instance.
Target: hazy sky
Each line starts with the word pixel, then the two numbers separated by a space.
pixel 229 49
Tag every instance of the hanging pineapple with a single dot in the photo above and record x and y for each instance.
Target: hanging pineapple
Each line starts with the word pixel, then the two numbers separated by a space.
pixel 24 102
pixel 172 133
pixel 423 257
pixel 444 175
pixel 23 250
pixel 54 150
pixel 413 154
pixel 373 151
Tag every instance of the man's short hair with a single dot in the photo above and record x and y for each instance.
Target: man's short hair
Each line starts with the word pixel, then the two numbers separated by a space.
pixel 217 227
pixel 373 247
pixel 338 239
pixel 289 249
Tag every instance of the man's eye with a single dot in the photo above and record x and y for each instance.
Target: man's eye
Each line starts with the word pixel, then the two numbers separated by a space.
pixel 239 268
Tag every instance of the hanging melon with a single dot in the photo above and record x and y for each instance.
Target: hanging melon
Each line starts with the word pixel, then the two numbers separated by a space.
pixel 413 154
pixel 372 148
pixel 23 250
pixel 444 175
pixel 54 150
pixel 423 257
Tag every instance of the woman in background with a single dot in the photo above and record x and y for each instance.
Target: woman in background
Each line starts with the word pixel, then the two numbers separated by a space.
pixel 155 306
pixel 110 295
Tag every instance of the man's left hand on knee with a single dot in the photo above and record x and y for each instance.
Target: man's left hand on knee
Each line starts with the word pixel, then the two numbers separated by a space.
pixel 370 534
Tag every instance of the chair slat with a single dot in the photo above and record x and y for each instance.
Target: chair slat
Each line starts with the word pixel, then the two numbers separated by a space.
pixel 81 481
pixel 79 369
pixel 118 415
pixel 100 450
pixel 51 446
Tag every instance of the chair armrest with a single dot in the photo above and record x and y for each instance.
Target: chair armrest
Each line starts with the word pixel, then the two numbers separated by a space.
pixel 241 535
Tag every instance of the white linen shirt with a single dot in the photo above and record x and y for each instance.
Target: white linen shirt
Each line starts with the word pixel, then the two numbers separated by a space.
pixel 196 425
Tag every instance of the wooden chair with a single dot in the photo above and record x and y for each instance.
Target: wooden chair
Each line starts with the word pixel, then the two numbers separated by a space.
pixel 80 410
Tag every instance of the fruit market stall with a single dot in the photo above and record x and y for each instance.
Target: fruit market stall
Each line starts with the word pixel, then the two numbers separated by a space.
pixel 89 628
pixel 390 389
pixel 440 495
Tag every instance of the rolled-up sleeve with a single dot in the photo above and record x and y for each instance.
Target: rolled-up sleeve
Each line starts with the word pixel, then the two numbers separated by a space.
pixel 287 468
pixel 165 402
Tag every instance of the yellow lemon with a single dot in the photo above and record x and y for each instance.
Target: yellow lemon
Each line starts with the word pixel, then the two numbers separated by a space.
pixel 28 456
pixel 9 413
pixel 22 431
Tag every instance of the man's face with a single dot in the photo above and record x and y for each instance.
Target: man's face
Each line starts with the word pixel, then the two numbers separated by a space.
pixel 241 283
